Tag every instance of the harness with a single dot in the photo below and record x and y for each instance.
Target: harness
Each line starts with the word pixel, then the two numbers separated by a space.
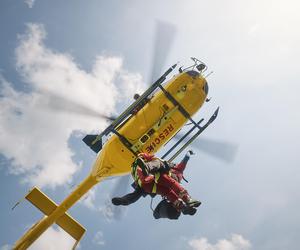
pixel 156 177
pixel 137 180
pixel 134 174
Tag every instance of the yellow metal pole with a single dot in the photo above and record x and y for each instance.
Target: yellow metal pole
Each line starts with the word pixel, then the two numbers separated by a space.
pixel 41 226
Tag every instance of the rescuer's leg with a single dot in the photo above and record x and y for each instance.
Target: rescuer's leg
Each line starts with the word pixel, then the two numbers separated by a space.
pixel 165 211
pixel 184 195
pixel 170 195
pixel 177 171
pixel 128 198
pixel 168 182
pixel 167 192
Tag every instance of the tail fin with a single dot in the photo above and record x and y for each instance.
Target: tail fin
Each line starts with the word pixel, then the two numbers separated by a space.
pixel 94 142
pixel 47 206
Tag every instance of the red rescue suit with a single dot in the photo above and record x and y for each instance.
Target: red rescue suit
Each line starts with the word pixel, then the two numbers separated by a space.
pixel 161 183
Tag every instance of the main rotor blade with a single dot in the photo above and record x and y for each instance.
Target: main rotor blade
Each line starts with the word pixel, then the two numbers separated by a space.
pixel 62 104
pixel 222 150
pixel 164 37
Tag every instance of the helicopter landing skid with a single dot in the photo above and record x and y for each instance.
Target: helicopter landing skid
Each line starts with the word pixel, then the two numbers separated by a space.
pixel 200 130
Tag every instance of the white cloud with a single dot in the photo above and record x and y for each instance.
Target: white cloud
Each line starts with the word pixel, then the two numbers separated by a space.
pixel 119 187
pixel 53 239
pixel 100 202
pixel 111 212
pixel 131 84
pixel 5 247
pixel 34 134
pixel 98 238
pixel 29 3
pixel 237 242
pixel 89 199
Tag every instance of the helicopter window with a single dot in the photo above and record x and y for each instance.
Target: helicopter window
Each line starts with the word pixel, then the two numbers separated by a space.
pixel 144 138
pixel 165 107
pixel 193 73
pixel 151 132
pixel 205 88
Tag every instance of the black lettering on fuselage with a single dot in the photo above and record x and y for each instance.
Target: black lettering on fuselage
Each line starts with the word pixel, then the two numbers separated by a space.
pixel 159 138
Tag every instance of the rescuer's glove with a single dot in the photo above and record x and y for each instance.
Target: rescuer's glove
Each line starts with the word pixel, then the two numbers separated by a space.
pixel 190 153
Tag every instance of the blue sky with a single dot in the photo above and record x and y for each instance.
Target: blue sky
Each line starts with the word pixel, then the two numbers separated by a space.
pixel 99 53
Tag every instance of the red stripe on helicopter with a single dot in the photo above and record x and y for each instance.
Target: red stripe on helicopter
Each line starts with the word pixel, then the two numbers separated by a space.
pixel 160 138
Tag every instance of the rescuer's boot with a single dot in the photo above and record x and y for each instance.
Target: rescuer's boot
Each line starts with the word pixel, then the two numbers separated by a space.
pixel 188 210
pixel 188 200
pixel 193 203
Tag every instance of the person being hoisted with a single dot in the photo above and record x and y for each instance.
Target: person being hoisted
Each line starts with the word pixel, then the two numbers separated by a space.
pixel 164 209
pixel 152 175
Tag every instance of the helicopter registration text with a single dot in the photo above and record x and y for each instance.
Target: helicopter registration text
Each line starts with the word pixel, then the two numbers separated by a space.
pixel 159 138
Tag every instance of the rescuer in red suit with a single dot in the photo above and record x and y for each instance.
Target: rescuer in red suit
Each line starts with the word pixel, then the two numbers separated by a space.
pixel 153 176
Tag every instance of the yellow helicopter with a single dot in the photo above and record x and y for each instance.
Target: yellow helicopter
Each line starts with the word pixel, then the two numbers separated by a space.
pixel 168 106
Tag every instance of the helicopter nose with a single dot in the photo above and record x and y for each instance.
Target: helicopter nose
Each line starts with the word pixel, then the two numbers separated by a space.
pixel 205 88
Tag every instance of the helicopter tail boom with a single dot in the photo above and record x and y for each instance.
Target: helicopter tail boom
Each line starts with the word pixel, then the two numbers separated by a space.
pixel 48 206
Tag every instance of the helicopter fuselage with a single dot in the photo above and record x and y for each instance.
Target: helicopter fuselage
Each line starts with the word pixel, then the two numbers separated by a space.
pixel 153 125
pixel 147 130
